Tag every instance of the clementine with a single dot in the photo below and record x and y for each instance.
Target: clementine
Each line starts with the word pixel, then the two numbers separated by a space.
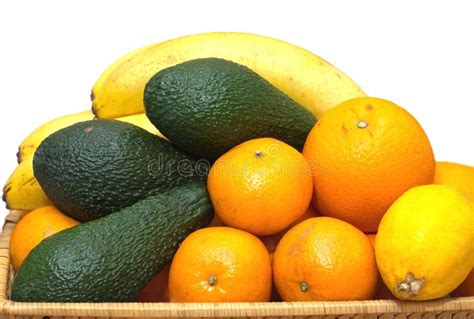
pixel 324 258
pixel 33 228
pixel 260 186
pixel 220 264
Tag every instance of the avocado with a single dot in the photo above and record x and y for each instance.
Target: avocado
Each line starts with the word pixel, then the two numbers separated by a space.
pixel 112 258
pixel 97 167
pixel 207 106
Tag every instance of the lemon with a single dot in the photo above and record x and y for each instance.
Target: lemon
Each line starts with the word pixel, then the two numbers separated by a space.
pixel 424 244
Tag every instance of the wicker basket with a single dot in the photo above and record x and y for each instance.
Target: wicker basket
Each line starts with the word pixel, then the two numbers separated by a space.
pixel 458 308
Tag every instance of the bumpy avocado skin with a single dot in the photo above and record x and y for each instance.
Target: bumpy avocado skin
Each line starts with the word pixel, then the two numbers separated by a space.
pixel 97 167
pixel 207 106
pixel 113 258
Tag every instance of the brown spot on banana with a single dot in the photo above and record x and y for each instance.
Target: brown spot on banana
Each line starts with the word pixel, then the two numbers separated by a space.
pixel 344 129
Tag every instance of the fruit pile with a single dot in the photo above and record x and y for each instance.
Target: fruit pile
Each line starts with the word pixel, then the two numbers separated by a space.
pixel 228 167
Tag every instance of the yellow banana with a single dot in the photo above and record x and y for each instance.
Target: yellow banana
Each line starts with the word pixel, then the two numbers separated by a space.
pixel 22 191
pixel 302 75
pixel 32 141
pixel 99 84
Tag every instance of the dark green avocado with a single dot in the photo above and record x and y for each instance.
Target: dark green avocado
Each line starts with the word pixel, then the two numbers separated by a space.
pixel 207 106
pixel 97 167
pixel 112 258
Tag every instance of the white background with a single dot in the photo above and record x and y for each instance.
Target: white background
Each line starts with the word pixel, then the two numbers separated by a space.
pixel 419 54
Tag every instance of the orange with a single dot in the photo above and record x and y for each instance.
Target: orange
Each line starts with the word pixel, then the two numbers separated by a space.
pixel 309 213
pixel 461 177
pixel 220 264
pixel 324 258
pixel 260 186
pixel 466 289
pixel 157 289
pixel 371 238
pixel 271 242
pixel 381 292
pixel 33 228
pixel 364 154
pixel 216 221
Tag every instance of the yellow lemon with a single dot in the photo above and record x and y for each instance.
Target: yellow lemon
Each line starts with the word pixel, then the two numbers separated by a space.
pixel 424 245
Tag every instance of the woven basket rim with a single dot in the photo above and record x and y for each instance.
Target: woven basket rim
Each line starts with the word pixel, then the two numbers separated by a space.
pixel 448 306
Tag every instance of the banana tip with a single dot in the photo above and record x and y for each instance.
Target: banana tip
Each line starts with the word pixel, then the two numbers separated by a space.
pixel 94 110
pixel 4 196
pixel 18 156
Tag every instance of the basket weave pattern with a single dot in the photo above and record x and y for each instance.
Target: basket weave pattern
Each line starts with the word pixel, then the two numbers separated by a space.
pixel 455 308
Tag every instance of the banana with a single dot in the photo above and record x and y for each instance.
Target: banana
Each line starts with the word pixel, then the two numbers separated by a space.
pixel 302 75
pixel 22 191
pixel 32 141
pixel 99 83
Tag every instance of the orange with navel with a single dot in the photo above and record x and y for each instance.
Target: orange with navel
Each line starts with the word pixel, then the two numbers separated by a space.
pixel 324 258
pixel 260 186
pixel 220 264
pixel 364 154
pixel 33 228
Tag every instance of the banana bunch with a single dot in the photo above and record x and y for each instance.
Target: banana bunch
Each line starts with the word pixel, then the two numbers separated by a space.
pixel 22 191
pixel 302 75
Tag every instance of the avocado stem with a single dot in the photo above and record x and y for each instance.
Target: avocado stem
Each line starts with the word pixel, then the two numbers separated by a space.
pixel 411 285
